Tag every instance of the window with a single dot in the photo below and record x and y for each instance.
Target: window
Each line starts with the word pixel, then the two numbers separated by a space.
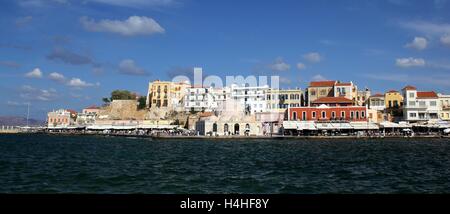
pixel 432 103
pixel 390 104
pixel 352 114
pixel 411 103
pixel 422 103
pixel 343 114
pixel 333 114
pixel 304 115
pixel 324 115
pixel 412 115
pixel 313 114
pixel 357 114
pixel 363 114
pixel 323 92
pixel 294 115
pixel 313 92
pixel 411 95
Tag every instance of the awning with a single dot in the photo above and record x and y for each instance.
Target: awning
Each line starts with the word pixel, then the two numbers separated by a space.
pixel 363 125
pixel 305 125
pixel 290 124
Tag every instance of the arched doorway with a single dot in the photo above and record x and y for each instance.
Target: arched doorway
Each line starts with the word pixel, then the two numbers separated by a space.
pixel 215 127
pixel 225 129
pixel 247 129
pixel 236 129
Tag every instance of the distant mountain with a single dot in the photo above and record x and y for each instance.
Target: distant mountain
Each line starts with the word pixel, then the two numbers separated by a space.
pixel 19 121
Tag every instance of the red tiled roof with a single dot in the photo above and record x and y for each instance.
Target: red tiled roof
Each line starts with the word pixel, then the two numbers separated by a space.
pixel 71 111
pixel 392 91
pixel 426 94
pixel 343 84
pixel 409 87
pixel 322 83
pixel 92 107
pixel 377 95
pixel 332 100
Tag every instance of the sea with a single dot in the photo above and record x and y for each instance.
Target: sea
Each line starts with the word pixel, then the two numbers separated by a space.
pixel 40 163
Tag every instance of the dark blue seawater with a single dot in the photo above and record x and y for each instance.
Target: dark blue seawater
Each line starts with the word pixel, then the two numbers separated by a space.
pixel 94 164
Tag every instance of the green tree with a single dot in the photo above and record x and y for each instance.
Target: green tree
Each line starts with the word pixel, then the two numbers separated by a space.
pixel 122 95
pixel 142 102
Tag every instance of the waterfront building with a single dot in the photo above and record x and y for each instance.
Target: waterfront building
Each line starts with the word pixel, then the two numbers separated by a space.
pixel 328 113
pixel 419 105
pixel 165 94
pixel 61 118
pixel 376 102
pixel 278 100
pixel 444 106
pixel 362 97
pixel 345 89
pixel 228 123
pixel 205 99
pixel 251 98
pixel 88 115
pixel 393 99
pixel 318 89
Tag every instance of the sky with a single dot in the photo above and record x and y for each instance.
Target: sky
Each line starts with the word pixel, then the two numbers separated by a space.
pixel 71 53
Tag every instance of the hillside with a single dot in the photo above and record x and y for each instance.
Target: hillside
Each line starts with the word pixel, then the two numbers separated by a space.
pixel 19 121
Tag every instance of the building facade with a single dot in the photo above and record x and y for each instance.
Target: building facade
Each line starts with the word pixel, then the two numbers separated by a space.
pixel 164 94
pixel 444 106
pixel 328 113
pixel 419 105
pixel 61 118
pixel 362 97
pixel 318 89
pixel 280 100
pixel 345 89
pixel 393 99
pixel 251 98
pixel 376 102
pixel 205 99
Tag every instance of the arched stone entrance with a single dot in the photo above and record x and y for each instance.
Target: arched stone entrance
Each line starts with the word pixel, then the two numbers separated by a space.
pixel 236 128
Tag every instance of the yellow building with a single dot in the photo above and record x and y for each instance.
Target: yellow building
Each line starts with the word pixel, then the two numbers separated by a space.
pixel 280 100
pixel 444 106
pixel 165 94
pixel 318 89
pixel 393 98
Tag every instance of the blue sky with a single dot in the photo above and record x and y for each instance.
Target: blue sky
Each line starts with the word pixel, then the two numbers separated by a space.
pixel 70 54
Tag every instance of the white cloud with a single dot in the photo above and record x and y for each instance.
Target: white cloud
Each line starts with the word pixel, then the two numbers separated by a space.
pixel 445 40
pixel 427 28
pixel 56 77
pixel 318 77
pixel 313 57
pixel 35 73
pixel 128 66
pixel 137 3
pixel 280 65
pixel 418 43
pixel 285 80
pixel 78 83
pixel 133 26
pixel 30 93
pixel 410 62
pixel 16 104
pixel 301 66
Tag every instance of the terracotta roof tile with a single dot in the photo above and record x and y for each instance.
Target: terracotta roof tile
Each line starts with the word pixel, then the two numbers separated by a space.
pixel 322 83
pixel 410 87
pixel 377 95
pixel 343 84
pixel 426 94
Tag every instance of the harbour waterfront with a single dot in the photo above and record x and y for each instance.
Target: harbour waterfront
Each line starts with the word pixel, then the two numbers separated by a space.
pixel 39 163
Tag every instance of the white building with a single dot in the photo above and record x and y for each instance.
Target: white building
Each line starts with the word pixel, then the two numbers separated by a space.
pixel 376 102
pixel 205 99
pixel 419 105
pixel 251 98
